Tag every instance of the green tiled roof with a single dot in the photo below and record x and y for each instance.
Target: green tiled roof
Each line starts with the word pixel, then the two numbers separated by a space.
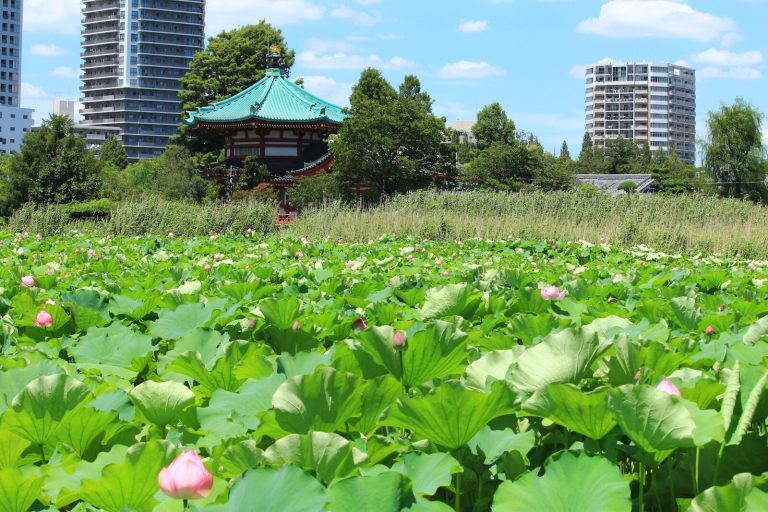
pixel 274 98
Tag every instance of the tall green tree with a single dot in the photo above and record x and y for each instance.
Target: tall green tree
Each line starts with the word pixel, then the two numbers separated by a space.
pixel 53 166
pixel 735 154
pixel 565 153
pixel 113 153
pixel 621 156
pixel 493 125
pixel 392 142
pixel 591 159
pixel 233 61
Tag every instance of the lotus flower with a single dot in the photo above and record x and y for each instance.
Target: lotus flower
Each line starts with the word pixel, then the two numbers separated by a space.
pixel 28 281
pixel 171 235
pixel 91 253
pixel 667 387
pixel 299 254
pixel 410 257
pixel 38 236
pixel 722 308
pixel 296 325
pixel 446 273
pixel 360 324
pixel 709 331
pixel 43 319
pixel 50 302
pixel 553 293
pixel 207 266
pixel 438 262
pixel 350 264
pixel 186 478
pixel 399 340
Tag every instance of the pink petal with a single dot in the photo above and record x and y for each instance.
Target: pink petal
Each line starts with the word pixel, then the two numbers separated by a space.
pixel 666 386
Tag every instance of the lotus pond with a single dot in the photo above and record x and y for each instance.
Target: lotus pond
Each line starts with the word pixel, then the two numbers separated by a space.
pixel 509 375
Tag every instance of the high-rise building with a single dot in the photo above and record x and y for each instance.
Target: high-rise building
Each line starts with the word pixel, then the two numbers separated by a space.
pixel 646 102
pixel 64 108
pixel 14 120
pixel 134 53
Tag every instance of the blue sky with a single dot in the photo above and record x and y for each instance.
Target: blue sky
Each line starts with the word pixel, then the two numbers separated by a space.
pixel 526 54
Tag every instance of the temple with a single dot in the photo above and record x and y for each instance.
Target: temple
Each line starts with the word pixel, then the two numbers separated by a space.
pixel 276 122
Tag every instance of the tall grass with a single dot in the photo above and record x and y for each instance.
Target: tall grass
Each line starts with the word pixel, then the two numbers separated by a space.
pixel 150 216
pixel 686 224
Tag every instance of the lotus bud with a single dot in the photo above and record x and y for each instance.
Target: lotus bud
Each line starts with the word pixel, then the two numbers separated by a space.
pixel 43 319
pixel 360 324
pixel 553 293
pixel 299 254
pixel 296 325
pixel 667 387
pixel 171 235
pixel 709 331
pixel 399 340
pixel 722 308
pixel 186 478
pixel 28 281
pixel 207 266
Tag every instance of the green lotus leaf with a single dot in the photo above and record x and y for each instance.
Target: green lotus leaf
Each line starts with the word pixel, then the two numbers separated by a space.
pixel 280 313
pixel 570 482
pixel 114 345
pixel 585 413
pixel 322 401
pixel 287 489
pixel 132 483
pixel 745 493
pixel 387 492
pixel 163 403
pixel 18 491
pixel 173 324
pixel 328 455
pixel 428 471
pixel 495 443
pixel 564 357
pixel 452 414
pixel 451 300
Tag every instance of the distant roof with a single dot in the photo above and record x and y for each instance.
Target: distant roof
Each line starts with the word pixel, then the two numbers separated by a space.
pixel 274 98
pixel 609 183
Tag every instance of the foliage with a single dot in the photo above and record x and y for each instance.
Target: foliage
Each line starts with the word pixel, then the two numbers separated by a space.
pixel 113 153
pixel 317 190
pixel 628 187
pixel 231 62
pixel 493 126
pixel 735 154
pixel 393 142
pixel 499 400
pixel 52 166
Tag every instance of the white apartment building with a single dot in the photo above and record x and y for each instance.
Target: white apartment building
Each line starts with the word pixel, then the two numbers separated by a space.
pixel 15 122
pixel 647 102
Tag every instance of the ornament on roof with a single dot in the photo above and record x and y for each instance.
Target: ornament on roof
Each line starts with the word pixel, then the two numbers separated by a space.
pixel 275 60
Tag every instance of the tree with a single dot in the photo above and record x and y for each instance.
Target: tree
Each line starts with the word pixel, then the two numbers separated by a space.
pixel 53 166
pixel 591 159
pixel 172 175
pixel 565 153
pixel 233 61
pixel 493 125
pixel 628 187
pixel 112 153
pixel 734 154
pixel 392 142
pixel 621 156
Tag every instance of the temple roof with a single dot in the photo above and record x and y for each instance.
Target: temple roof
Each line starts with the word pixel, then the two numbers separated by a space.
pixel 274 98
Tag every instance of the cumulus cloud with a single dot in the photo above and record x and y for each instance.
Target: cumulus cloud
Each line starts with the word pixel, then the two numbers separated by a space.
pixel 234 13
pixel 47 50
pixel 341 60
pixel 735 73
pixel 659 19
pixel 473 26
pixel 724 58
pixel 65 72
pixel 328 89
pixel 59 17
pixel 470 69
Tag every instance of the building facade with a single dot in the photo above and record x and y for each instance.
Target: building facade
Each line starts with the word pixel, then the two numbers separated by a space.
pixel 134 54
pixel 64 108
pixel 15 121
pixel 647 102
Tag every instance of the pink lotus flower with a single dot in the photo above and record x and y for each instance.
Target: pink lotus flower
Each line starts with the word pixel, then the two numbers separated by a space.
pixel 28 281
pixel 218 256
pixel 752 266
pixel 350 264
pixel 667 387
pixel 519 250
pixel 438 262
pixel 43 319
pixel 722 308
pixel 399 340
pixel 250 323
pixel 360 324
pixel 410 257
pixel 186 478
pixel 38 236
pixel 171 235
pixel 207 266
pixel 91 253
pixel 50 302
pixel 709 331
pixel 296 325
pixel 446 273
pixel 553 293
pixel 299 254
pixel 212 238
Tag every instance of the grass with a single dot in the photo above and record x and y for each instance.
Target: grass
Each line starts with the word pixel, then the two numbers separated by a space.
pixel 679 224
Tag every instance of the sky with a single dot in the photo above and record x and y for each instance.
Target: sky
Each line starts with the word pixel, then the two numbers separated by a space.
pixel 528 55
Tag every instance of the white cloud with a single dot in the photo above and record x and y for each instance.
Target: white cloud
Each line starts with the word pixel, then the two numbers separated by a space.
pixel 357 17
pixel 220 15
pixel 341 60
pixel 469 69
pixel 734 72
pixel 36 98
pixel 328 89
pixel 60 16
pixel 65 72
pixel 659 18
pixel 325 45
pixel 724 58
pixel 47 50
pixel 473 26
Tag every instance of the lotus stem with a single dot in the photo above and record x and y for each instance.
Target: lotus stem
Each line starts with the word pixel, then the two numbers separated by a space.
pixel 457 504
pixel 696 473
pixel 641 487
